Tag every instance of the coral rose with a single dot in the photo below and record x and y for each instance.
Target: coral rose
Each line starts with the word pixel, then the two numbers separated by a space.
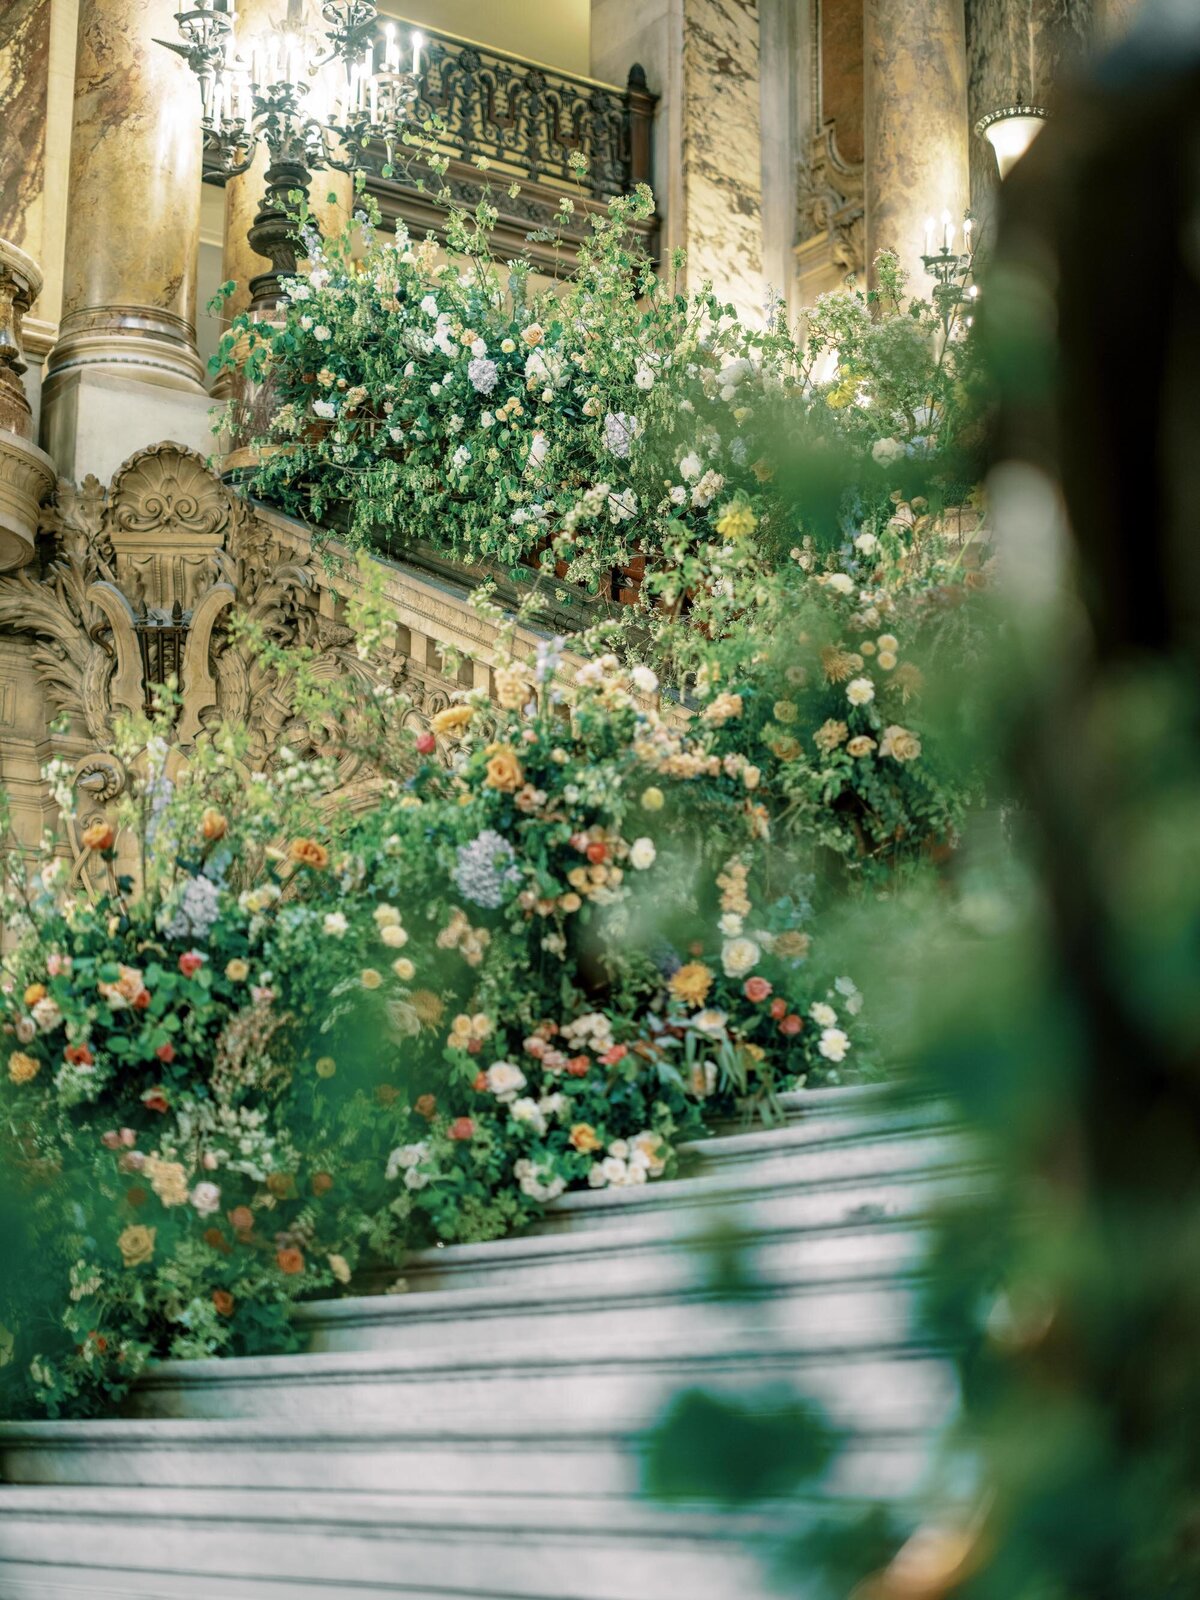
pixel 99 836
pixel 223 1301
pixel 22 1068
pixel 778 1008
pixel 190 962
pixel 308 853
pixel 756 989
pixel 78 1055
pixel 136 1244
pixel 461 1128
pixel 584 1137
pixel 166 1052
pixel 791 1024
pixel 426 744
pixel 504 770
pixel 290 1262
pixel 213 824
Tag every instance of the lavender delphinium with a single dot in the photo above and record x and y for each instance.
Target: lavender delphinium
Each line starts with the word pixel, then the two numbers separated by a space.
pixel 485 868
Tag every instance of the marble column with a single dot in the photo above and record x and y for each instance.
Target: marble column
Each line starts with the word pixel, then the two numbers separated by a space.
pixel 133 225
pixel 916 130
pixel 702 57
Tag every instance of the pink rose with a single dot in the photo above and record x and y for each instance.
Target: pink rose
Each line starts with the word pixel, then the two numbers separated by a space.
pixel 791 1024
pixel 756 989
pixel 461 1128
pixel 190 963
pixel 111 1140
pixel 426 744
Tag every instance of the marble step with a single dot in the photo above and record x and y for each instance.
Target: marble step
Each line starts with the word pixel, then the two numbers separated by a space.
pixel 456 1323
pixel 478 1458
pixel 511 1545
pixel 867 1380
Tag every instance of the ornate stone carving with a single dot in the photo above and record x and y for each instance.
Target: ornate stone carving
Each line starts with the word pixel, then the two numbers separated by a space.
pixel 142 587
pixel 829 201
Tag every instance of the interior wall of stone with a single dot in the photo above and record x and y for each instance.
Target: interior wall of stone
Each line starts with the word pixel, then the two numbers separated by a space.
pixel 555 32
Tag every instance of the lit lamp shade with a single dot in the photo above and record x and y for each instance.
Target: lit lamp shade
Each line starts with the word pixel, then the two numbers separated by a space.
pixel 1010 132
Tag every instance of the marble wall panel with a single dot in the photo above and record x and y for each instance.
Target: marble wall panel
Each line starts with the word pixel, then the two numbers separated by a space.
pixel 24 80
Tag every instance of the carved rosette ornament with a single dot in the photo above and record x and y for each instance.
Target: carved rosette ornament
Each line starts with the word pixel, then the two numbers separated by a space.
pixel 26 473
pixel 143 585
pixel 829 203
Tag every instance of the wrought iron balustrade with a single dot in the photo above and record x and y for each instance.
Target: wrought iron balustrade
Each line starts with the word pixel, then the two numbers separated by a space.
pixel 529 121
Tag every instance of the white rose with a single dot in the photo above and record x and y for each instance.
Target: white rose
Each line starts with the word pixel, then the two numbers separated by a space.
pixel 385 916
pixel 615 1170
pixel 528 1111
pixel 394 936
pixel 539 447
pixel 321 332
pixel 886 452
pixel 834 1044
pixel 504 1079
pixel 691 467
pixel 867 543
pixel 730 924
pixel 739 956
pixel 860 691
pixel 644 378
pixel 46 1014
pixel 644 679
pixel 840 583
pixel 414 1178
pixel 824 1016
pixel 642 854
pixel 429 306
pixel 335 924
pixel 206 1198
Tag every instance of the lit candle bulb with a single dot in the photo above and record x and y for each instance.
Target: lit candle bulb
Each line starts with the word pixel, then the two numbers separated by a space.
pixel 418 46
pixel 928 236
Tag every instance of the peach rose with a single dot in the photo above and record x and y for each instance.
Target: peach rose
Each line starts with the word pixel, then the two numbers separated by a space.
pixel 308 853
pixel 213 824
pixel 461 1128
pixel 290 1262
pixel 426 1106
pixel 504 770
pixel 136 1244
pixel 584 1138
pixel 99 836
pixel 242 1218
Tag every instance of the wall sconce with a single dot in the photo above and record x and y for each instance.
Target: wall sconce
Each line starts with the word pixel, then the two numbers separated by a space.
pixel 1010 131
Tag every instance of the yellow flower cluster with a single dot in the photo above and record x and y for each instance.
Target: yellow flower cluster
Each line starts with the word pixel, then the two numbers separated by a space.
pixel 465 1030
pixel 167 1179
pixel 691 983
pixel 732 884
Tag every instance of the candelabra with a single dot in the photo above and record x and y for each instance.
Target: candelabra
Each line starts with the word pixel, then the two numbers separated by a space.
pixel 314 101
pixel 949 269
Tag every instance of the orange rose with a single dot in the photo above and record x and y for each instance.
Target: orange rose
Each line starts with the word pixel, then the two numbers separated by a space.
pixel 691 983
pixel 100 836
pixel 223 1300
pixel 584 1137
pixel 309 853
pixel 213 825
pixel 242 1218
pixel 504 770
pixel 290 1262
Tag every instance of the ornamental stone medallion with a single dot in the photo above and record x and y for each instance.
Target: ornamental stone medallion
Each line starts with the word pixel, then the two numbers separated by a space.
pixel 140 584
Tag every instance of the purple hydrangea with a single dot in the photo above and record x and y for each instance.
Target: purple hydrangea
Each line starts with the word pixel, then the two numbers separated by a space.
pixel 485 869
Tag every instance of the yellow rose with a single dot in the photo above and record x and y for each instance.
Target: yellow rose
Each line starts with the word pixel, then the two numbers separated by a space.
pixel 652 799
pixel 791 946
pixel 860 745
pixel 503 769
pixel 136 1245
pixel 167 1179
pixel 237 970
pixel 784 711
pixel 34 993
pixel 584 1137
pixel 570 902
pixel 404 969
pixel 900 743
pixel 393 935
pixel 370 978
pixel 340 1268
pixel 691 983
pixel 511 689
pixel 751 777
pixel 533 334
pixel 449 724
pixel 23 1068
pixel 736 521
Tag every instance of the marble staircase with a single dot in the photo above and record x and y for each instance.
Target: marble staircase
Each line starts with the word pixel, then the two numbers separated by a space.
pixel 479 1434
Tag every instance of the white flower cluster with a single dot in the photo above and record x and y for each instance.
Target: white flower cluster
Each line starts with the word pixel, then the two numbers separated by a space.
pixel 629 1162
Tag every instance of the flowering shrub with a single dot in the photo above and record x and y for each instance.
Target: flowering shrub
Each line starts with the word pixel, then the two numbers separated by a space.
pixel 295 1047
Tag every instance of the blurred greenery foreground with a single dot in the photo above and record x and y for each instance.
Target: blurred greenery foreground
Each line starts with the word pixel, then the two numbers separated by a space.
pixel 823 785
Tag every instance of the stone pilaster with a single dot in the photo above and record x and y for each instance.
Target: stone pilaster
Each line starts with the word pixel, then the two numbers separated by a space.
pixel 26 474
pixel 129 286
pixel 916 131
pixel 702 58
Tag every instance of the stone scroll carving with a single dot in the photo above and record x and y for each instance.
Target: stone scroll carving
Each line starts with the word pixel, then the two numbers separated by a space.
pixel 141 585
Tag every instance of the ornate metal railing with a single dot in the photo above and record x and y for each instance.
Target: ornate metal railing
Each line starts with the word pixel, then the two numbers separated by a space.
pixel 529 121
